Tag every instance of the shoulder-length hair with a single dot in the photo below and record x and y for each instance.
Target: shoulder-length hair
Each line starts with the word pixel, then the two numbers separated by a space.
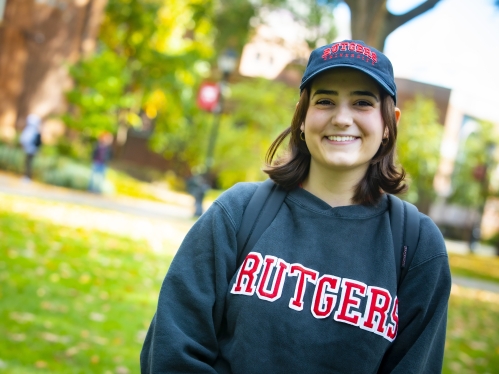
pixel 291 169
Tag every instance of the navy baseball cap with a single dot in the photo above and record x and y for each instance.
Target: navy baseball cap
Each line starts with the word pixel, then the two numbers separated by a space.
pixel 353 54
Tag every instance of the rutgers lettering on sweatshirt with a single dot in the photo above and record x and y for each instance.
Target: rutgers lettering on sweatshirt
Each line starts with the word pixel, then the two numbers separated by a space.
pixel 317 294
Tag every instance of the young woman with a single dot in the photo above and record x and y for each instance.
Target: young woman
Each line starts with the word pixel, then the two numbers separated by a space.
pixel 318 292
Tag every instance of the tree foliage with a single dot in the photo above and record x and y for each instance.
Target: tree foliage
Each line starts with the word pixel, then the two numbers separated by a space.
pixel 474 163
pixel 99 93
pixel 419 138
pixel 260 110
pixel 151 55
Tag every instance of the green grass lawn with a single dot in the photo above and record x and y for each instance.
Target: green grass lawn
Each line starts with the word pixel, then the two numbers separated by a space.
pixel 485 268
pixel 80 301
pixel 71 300
pixel 472 344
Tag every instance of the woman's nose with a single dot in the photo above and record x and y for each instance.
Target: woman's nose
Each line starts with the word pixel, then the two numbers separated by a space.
pixel 343 117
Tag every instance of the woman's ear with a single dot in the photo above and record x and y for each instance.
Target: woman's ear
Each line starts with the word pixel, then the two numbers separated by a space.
pixel 397 115
pixel 302 127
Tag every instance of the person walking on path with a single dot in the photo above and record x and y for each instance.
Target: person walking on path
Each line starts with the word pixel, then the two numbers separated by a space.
pixel 318 293
pixel 100 157
pixel 31 140
pixel 197 187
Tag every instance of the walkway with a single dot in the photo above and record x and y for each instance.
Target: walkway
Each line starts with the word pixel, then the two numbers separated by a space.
pixel 14 185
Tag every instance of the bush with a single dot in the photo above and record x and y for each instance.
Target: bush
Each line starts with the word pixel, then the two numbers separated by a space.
pixel 51 169
pixel 11 159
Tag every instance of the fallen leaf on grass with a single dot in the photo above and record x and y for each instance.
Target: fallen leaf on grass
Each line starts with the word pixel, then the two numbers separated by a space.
pixel 465 358
pixel 456 367
pixel 72 351
pixel 22 317
pixel 83 346
pixel 17 337
pixel 100 340
pixel 478 346
pixel 53 338
pixel 141 336
pixel 45 305
pixel 122 370
pixel 41 364
pixel 97 317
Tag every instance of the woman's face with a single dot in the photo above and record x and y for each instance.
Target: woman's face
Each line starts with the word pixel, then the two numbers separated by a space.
pixel 343 126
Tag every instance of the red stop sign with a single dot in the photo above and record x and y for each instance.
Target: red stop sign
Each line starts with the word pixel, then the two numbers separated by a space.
pixel 208 96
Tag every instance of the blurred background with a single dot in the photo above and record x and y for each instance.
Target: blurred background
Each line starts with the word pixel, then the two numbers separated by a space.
pixel 146 110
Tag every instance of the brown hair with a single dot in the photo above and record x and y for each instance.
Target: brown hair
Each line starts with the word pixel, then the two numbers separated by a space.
pixel 292 168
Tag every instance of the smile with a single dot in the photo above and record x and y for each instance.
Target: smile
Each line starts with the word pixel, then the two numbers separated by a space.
pixel 335 138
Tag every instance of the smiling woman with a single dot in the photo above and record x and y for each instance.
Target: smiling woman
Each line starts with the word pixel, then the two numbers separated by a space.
pixel 343 127
pixel 319 291
pixel 342 94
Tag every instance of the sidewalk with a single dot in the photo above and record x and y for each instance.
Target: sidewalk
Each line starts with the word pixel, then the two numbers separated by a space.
pixel 475 284
pixel 14 185
pixel 463 248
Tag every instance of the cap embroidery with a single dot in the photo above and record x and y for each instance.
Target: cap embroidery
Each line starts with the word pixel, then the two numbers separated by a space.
pixel 349 53
pixel 330 52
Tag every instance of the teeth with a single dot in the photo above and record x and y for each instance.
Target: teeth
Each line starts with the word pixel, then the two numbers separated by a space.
pixel 341 138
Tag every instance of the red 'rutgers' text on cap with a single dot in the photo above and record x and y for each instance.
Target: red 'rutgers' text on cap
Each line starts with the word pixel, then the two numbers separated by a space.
pixel 349 47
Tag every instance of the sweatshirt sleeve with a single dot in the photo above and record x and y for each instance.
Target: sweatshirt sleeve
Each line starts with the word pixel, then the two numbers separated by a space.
pixel 182 337
pixel 422 308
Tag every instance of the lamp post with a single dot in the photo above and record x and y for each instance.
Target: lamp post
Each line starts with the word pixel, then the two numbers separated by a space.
pixel 226 64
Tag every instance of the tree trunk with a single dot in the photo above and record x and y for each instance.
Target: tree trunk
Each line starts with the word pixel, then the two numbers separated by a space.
pixel 372 22
pixel 38 39
pixel 13 57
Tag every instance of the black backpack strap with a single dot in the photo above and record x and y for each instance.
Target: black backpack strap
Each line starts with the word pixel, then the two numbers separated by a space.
pixel 411 238
pixel 258 215
pixel 404 221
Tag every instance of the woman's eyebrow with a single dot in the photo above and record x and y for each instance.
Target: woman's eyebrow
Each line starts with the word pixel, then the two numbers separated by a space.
pixel 364 93
pixel 353 93
pixel 325 92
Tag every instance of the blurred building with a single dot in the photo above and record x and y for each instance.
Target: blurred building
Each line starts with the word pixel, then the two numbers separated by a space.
pixel 275 45
pixel 38 38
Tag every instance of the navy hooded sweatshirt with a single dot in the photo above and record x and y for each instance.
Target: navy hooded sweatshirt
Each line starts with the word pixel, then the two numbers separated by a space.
pixel 317 294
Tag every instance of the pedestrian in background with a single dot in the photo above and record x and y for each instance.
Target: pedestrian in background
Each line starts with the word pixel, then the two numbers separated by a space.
pixel 31 141
pixel 101 155
pixel 319 292
pixel 197 187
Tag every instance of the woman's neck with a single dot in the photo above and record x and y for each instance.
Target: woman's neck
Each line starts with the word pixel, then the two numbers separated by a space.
pixel 335 187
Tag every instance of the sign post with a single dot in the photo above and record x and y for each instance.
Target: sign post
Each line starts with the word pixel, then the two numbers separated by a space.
pixel 208 96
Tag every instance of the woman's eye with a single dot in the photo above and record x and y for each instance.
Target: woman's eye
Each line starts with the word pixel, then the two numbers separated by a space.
pixel 363 103
pixel 324 102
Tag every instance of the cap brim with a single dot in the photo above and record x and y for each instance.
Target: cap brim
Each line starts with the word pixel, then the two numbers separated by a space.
pixel 376 77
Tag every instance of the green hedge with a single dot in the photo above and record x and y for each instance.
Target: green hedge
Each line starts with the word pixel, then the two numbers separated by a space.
pixel 51 169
